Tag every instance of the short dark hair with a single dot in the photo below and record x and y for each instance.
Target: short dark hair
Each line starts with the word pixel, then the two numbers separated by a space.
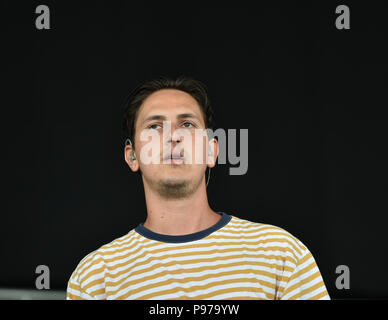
pixel 136 98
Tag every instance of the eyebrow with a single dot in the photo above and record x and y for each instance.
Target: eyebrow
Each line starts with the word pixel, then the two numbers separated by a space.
pixel 179 116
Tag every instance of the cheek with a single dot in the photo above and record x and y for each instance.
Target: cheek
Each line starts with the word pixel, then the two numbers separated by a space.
pixel 149 151
pixel 199 149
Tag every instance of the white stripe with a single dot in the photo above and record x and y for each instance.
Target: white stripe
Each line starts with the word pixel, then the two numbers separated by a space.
pixel 255 249
pixel 261 236
pixel 213 245
pixel 91 269
pixel 131 266
pixel 93 257
pixel 97 276
pixel 238 249
pixel 302 287
pixel 189 284
pixel 157 277
pixel 126 245
pixel 240 222
pixel 312 293
pixel 194 293
pixel 110 276
pixel 100 297
pixel 96 287
pixel 257 295
pixel 133 240
pixel 252 227
pixel 80 294
pixel 302 276
pixel 73 291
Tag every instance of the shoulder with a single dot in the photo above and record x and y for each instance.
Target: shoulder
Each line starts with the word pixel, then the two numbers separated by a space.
pixel 88 279
pixel 96 261
pixel 268 236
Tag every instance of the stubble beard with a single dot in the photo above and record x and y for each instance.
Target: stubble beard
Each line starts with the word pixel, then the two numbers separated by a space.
pixel 175 189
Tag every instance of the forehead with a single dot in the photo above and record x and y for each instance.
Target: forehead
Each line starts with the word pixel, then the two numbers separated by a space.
pixel 169 102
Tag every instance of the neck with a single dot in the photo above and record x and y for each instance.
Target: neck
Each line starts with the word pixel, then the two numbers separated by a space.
pixel 179 216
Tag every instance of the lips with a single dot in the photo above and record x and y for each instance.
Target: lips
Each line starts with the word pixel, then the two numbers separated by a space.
pixel 174 159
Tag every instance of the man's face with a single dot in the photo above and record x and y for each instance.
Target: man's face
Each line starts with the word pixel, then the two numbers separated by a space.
pixel 171 146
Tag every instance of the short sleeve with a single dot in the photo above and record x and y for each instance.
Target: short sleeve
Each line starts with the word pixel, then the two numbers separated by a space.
pixel 75 291
pixel 305 281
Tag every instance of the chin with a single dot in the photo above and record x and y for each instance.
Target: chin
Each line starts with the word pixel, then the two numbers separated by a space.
pixel 174 181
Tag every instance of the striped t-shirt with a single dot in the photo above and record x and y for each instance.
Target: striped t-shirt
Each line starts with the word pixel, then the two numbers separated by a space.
pixel 233 259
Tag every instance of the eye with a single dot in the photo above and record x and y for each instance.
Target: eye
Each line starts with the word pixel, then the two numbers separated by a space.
pixel 154 126
pixel 188 125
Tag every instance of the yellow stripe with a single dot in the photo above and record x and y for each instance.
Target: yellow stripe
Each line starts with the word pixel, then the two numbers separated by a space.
pixel 242 262
pixel 307 256
pixel 189 279
pixel 134 244
pixel 93 272
pixel 307 291
pixel 74 297
pixel 303 282
pixel 243 222
pixel 299 275
pixel 201 296
pixel 320 295
pixel 93 283
pixel 85 273
pixel 243 298
pixel 202 245
pixel 115 244
pixel 73 286
pixel 91 255
pixel 183 254
pixel 249 229
pixel 230 290
pixel 260 227
pixel 98 292
pixel 179 272
pixel 244 237
pixel 201 259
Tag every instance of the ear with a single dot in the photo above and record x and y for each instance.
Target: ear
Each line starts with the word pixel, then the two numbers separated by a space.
pixel 128 152
pixel 212 152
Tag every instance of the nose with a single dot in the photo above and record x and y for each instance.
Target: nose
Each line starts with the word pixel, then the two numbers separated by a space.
pixel 173 134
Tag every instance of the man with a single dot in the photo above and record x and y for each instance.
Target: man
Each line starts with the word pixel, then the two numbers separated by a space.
pixel 184 249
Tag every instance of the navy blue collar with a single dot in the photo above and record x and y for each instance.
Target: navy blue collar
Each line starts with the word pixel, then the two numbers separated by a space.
pixel 141 229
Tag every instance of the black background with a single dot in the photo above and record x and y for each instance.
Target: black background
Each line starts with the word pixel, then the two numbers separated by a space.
pixel 313 98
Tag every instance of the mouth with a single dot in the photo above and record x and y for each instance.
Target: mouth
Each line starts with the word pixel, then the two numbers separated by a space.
pixel 174 159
